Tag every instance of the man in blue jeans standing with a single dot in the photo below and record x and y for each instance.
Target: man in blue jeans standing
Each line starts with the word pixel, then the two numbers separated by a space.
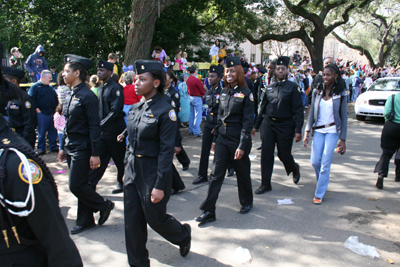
pixel 196 93
pixel 46 101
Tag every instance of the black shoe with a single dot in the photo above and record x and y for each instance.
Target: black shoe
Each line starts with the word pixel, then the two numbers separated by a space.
pixel 190 133
pixel 185 167
pixel 379 182
pixel 259 148
pixel 40 152
pixel 206 217
pixel 184 250
pixel 262 189
pixel 55 150
pixel 200 180
pixel 173 191
pixel 230 172
pixel 106 213
pixel 79 228
pixel 118 189
pixel 296 174
pixel 245 209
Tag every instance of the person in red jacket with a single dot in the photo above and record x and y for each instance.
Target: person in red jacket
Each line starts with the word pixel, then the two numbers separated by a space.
pixel 196 93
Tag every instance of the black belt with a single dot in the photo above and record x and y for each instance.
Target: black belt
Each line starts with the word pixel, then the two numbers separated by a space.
pixel 324 126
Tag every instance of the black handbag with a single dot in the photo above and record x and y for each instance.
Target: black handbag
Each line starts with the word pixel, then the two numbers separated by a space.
pixel 391 116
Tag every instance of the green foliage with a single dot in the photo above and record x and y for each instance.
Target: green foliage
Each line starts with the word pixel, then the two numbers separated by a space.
pixel 193 23
pixel 85 27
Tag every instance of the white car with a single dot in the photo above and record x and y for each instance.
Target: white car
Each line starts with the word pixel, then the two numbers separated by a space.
pixel 372 102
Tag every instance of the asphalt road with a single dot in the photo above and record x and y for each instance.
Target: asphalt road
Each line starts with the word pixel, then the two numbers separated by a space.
pixel 302 234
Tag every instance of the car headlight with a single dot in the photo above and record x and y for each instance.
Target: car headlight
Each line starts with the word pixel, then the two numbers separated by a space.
pixel 362 102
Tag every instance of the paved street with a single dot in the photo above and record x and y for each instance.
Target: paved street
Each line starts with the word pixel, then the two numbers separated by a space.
pixel 301 234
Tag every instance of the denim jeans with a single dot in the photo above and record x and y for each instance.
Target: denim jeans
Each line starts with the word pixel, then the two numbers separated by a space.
pixel 126 110
pixel 196 110
pixel 60 139
pixel 323 146
pixel 46 124
pixel 355 94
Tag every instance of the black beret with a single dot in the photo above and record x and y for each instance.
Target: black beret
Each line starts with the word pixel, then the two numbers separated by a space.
pixel 17 73
pixel 283 61
pixel 143 66
pixel 262 70
pixel 233 61
pixel 85 62
pixel 105 65
pixel 217 69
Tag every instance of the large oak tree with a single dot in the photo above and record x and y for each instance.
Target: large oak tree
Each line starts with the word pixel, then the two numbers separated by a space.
pixel 308 20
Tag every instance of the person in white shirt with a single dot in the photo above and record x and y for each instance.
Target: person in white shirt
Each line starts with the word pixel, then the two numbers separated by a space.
pixel 368 81
pixel 214 49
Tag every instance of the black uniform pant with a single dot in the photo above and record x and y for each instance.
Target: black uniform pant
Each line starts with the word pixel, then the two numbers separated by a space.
pixel 31 256
pixel 140 211
pixel 83 186
pixel 225 152
pixel 281 134
pixel 390 142
pixel 182 157
pixel 111 148
pixel 205 151
pixel 30 137
pixel 177 183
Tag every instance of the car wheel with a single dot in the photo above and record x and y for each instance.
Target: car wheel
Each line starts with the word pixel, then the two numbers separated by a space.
pixel 360 118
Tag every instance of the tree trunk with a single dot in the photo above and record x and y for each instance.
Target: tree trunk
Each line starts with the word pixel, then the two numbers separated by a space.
pixel 316 50
pixel 141 29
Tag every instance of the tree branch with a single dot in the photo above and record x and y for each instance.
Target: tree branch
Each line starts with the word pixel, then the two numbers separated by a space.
pixel 345 16
pixel 276 37
pixel 356 47
pixel 202 27
pixel 302 12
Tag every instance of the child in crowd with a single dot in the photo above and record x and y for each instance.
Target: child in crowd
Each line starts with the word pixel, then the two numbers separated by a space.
pixel 179 61
pixel 94 83
pixel 59 124
pixel 112 57
pixel 167 63
pixel 62 90
pixel 184 59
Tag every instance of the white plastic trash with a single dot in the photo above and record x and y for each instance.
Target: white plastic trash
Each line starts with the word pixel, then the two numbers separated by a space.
pixel 360 248
pixel 286 201
pixel 252 157
pixel 243 255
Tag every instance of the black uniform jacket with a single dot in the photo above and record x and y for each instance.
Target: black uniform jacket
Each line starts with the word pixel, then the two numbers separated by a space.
pixel 174 95
pixel 236 115
pixel 281 101
pixel 178 135
pixel 22 114
pixel 111 103
pixel 212 99
pixel 151 134
pixel 45 224
pixel 82 120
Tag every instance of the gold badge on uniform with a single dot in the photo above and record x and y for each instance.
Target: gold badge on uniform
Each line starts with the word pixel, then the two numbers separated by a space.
pixel 34 168
pixel 28 104
pixel 176 95
pixel 172 103
pixel 172 115
pixel 118 93
pixel 6 141
pixel 251 97
pixel 142 67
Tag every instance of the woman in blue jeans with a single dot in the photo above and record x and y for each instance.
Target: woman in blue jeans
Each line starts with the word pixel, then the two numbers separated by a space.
pixel 328 121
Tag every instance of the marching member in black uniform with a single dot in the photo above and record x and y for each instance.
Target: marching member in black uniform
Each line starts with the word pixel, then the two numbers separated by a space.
pixel 147 183
pixel 33 229
pixel 111 104
pixel 81 144
pixel 232 140
pixel 281 118
pixel 212 98
pixel 22 116
pixel 174 95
